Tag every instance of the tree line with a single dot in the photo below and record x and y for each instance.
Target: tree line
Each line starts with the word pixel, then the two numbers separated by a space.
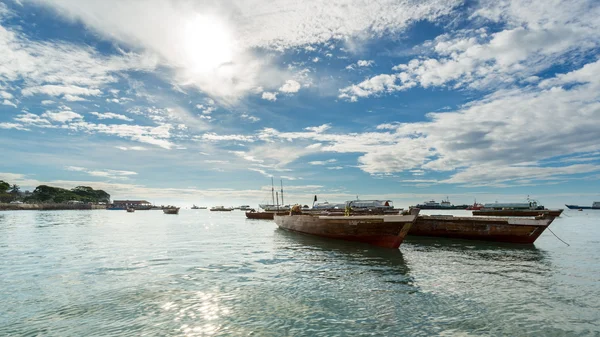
pixel 49 194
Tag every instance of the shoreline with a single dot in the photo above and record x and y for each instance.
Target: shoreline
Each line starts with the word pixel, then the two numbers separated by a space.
pixel 49 207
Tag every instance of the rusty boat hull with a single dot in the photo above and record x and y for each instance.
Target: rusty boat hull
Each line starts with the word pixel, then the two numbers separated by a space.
pixel 263 215
pixel 386 231
pixel 516 212
pixel 512 230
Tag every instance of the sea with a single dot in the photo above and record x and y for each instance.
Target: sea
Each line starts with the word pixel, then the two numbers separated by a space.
pixel 202 273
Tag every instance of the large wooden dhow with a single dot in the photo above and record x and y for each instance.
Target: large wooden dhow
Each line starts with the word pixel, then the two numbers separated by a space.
pixel 513 230
pixel 381 230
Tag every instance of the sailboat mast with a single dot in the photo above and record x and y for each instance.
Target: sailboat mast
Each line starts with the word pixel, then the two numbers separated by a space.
pixel 272 191
pixel 277 195
pixel 282 203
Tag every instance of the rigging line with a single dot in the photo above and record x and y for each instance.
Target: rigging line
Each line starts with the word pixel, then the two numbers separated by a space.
pixel 558 237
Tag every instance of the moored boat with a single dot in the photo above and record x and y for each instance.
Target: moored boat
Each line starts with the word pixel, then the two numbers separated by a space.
pixel 445 204
pixel 381 230
pixel 263 215
pixel 171 210
pixel 130 210
pixel 595 205
pixel 517 212
pixel 221 209
pixel 513 230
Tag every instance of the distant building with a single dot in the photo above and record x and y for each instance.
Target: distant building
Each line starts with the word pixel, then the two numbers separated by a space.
pixel 137 204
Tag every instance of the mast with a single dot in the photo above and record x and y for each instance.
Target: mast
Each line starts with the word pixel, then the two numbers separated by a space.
pixel 282 203
pixel 277 194
pixel 272 191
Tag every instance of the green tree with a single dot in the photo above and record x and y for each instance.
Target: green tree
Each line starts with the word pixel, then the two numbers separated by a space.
pixel 4 186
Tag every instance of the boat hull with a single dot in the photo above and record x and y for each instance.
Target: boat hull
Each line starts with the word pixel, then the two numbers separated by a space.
pixel 380 230
pixel 171 210
pixel 581 207
pixel 515 212
pixel 263 215
pixel 513 230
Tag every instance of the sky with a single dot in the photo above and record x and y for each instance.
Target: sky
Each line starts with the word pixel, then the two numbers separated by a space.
pixel 202 102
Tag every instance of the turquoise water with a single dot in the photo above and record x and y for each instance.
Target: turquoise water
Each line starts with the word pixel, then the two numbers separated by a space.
pixel 201 273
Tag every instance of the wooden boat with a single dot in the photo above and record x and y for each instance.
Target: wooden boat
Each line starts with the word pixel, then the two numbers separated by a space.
pixel 517 212
pixel 130 210
pixel 171 210
pixel 513 230
pixel 264 215
pixel 381 230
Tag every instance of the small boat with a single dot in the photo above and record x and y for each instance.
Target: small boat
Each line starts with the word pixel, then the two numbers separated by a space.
pixel 380 230
pixel 445 204
pixel 513 230
pixel 475 207
pixel 171 210
pixel 195 207
pixel 245 208
pixel 220 209
pixel 130 210
pixel 595 205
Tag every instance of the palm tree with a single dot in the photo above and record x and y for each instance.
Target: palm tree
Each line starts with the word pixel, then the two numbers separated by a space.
pixel 14 189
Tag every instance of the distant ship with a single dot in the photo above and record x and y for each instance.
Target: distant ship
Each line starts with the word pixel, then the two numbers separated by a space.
pixel 445 204
pixel 595 205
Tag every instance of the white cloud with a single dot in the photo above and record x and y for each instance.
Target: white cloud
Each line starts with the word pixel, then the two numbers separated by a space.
pixel 9 103
pixel 15 126
pixel 318 129
pixel 62 116
pixel 364 63
pixel 269 96
pixel 322 162
pixel 110 174
pixel 111 115
pixel 232 68
pixel 131 148
pixel 215 137
pixel 250 118
pixel 290 86
pixel 47 102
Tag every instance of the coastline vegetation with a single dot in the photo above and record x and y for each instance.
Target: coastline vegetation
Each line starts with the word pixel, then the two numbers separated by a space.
pixel 48 194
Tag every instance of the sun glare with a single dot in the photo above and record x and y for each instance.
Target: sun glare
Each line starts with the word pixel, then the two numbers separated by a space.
pixel 207 44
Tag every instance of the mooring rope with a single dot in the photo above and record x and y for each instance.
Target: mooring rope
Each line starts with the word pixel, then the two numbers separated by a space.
pixel 558 237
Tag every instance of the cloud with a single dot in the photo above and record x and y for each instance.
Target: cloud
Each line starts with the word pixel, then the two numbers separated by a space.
pixel 364 63
pixel 322 162
pixel 250 118
pixel 104 173
pixel 131 148
pixel 236 34
pixel 215 137
pixel 531 42
pixel 15 126
pixel 62 116
pixel 290 86
pixel 9 103
pixel 110 115
pixel 269 96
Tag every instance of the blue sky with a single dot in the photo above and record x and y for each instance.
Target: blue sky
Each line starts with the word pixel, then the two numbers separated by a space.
pixel 203 101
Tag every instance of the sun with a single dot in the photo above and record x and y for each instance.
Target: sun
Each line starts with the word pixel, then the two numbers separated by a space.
pixel 207 43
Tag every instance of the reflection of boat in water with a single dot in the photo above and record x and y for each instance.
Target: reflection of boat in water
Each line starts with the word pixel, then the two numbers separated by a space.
pixel 595 205
pixel 171 210
pixel 380 230
pixel 513 230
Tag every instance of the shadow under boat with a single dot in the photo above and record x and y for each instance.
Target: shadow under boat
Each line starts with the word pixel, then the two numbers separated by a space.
pixel 348 251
